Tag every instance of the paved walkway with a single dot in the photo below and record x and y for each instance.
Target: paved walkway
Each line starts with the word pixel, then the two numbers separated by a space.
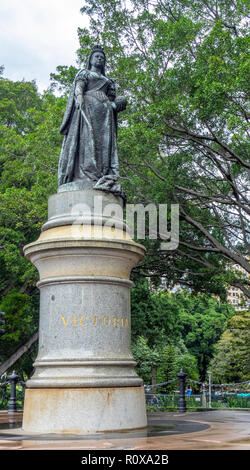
pixel 210 430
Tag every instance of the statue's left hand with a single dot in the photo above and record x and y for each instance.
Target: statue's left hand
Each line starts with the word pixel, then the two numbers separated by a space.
pixel 79 101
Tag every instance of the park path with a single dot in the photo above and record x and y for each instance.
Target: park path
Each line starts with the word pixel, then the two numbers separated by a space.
pixel 227 430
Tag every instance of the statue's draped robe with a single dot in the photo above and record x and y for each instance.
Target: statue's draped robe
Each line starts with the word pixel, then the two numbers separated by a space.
pixel 89 146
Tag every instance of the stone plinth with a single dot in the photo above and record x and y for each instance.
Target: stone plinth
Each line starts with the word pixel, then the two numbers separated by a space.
pixel 84 378
pixel 84 410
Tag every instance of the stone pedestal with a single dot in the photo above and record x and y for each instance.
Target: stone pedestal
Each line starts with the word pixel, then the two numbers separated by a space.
pixel 84 380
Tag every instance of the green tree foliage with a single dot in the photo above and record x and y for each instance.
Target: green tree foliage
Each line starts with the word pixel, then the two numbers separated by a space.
pixel 63 78
pixel 29 149
pixel 174 330
pixel 173 358
pixel 183 66
pixel 167 358
pixel 21 320
pixel 231 362
pixel 202 319
pixel 146 358
pixel 154 314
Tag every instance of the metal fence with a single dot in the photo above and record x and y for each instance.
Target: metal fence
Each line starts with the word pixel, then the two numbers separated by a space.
pixel 12 390
pixel 210 396
pixel 164 401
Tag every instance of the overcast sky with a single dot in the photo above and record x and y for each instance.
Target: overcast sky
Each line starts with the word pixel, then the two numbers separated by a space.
pixel 38 35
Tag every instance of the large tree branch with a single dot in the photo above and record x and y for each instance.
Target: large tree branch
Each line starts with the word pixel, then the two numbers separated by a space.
pixel 199 139
pixel 241 287
pixel 227 200
pixel 204 249
pixel 228 149
pixel 224 231
pixel 243 111
pixel 227 176
pixel 198 259
pixel 154 171
pixel 214 182
pixel 18 353
pixel 223 250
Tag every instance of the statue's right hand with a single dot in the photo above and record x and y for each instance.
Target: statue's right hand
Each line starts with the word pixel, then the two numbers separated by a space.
pixel 79 101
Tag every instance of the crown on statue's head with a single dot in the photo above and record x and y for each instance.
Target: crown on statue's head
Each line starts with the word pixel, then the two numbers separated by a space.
pixel 98 48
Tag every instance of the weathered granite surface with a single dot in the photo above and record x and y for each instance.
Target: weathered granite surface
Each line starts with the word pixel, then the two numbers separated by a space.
pixel 85 326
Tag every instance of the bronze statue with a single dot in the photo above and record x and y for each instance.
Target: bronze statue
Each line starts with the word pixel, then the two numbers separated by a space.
pixel 89 149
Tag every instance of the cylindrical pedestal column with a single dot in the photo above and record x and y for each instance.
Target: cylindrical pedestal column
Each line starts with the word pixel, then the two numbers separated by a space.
pixel 84 378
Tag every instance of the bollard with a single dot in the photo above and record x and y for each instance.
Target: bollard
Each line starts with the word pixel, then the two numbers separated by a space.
pixel 13 379
pixel 209 389
pixel 182 401
pixel 204 399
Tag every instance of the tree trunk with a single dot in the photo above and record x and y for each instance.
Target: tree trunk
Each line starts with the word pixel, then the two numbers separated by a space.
pixel 18 353
pixel 154 370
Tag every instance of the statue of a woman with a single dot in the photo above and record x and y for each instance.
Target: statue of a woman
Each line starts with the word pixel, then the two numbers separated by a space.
pixel 89 149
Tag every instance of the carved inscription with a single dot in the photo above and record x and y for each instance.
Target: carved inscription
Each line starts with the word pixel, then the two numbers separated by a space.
pixel 94 320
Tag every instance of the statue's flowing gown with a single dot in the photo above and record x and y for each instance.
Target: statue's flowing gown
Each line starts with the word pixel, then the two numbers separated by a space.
pixel 89 147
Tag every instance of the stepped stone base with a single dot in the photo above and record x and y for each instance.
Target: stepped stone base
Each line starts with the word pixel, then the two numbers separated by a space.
pixel 84 410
